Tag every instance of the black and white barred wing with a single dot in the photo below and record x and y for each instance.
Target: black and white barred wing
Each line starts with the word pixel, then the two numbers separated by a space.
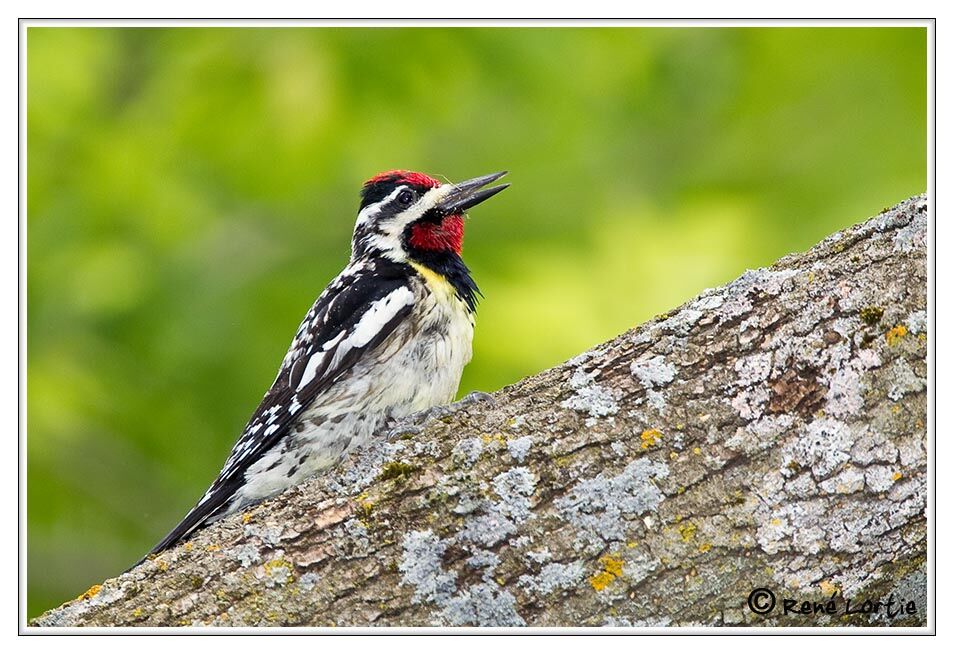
pixel 353 316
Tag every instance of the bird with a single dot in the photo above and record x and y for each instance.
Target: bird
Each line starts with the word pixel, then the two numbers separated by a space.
pixel 387 338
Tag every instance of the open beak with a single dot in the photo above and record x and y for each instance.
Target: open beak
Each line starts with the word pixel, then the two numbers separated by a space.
pixel 467 194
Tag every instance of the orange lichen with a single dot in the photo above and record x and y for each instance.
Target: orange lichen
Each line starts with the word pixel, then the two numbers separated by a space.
pixel 612 564
pixel 649 437
pixel 92 592
pixel 612 568
pixel 212 548
pixel 895 334
pixel 601 580
pixel 246 518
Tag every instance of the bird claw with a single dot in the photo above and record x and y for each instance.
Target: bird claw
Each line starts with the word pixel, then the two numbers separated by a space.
pixel 413 424
pixel 471 398
pixel 403 428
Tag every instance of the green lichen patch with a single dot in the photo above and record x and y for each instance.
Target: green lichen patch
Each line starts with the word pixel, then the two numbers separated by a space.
pixel 396 469
pixel 687 531
pixel 871 315
pixel 364 510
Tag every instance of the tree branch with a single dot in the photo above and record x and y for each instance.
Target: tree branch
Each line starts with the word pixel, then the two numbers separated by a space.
pixel 768 433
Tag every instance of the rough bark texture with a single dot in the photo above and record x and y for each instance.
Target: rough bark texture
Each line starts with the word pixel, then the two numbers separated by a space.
pixel 769 433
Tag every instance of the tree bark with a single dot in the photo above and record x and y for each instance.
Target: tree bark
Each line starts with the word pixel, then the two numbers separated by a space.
pixel 770 433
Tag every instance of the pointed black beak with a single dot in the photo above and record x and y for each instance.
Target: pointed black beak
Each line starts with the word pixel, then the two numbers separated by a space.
pixel 467 194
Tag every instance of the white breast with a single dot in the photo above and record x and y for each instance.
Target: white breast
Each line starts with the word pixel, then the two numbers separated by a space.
pixel 419 366
pixel 416 367
pixel 443 347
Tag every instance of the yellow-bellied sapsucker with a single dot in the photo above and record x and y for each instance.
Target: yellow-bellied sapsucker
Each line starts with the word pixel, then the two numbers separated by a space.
pixel 388 337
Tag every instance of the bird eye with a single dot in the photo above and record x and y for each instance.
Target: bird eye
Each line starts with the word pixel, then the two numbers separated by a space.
pixel 405 197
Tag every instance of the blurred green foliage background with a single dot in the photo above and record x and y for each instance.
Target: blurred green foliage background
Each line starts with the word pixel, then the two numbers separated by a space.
pixel 191 190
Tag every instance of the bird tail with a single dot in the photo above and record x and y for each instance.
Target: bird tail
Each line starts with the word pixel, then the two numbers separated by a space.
pixel 206 511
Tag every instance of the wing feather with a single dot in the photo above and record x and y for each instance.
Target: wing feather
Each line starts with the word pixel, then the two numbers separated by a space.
pixel 355 314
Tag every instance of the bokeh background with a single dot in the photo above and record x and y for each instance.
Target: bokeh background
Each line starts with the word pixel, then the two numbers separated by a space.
pixel 191 190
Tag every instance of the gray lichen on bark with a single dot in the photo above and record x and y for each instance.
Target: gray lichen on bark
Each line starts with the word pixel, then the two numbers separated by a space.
pixel 768 433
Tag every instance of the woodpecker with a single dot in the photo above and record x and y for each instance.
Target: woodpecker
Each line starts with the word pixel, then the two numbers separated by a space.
pixel 388 337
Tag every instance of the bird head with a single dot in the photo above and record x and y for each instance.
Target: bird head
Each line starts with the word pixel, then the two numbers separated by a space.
pixel 406 215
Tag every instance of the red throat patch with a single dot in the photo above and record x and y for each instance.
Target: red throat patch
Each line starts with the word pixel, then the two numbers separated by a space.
pixel 439 237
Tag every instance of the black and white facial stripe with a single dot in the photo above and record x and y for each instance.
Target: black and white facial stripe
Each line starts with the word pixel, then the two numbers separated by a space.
pixel 387 207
